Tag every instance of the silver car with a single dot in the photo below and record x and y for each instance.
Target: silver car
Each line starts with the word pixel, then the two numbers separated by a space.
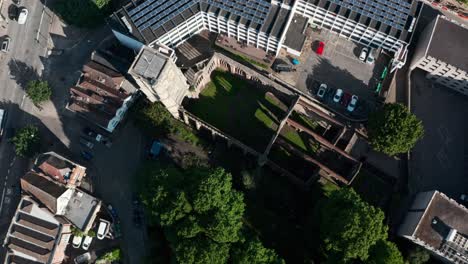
pixel 322 90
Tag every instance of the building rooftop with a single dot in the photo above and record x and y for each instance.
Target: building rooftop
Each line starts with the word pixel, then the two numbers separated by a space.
pixel 295 36
pixel 32 234
pixel 448 215
pixel 149 64
pixel 44 184
pixel 60 168
pixel 449 43
pixel 81 209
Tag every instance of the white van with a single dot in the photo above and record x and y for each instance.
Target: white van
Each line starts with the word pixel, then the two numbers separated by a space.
pixel 23 14
pixel 102 230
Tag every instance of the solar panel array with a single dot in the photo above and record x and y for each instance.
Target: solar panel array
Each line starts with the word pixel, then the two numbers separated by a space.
pixel 154 13
pixel 393 13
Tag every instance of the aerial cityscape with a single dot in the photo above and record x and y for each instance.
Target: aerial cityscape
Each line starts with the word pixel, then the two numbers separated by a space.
pixel 234 131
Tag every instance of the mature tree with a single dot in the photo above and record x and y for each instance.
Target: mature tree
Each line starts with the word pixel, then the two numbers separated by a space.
pixel 394 129
pixel 201 250
pixel 418 255
pixel 197 201
pixel 26 141
pixel 111 256
pixel 82 13
pixel 252 251
pixel 385 252
pixel 349 226
pixel 38 91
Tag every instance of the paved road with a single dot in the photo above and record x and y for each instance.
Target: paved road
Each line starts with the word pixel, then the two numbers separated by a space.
pixel 24 50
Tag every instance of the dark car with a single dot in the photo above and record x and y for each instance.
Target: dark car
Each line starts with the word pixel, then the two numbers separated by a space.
pixel 346 98
pixel 89 132
pixel 86 155
pixel 5 47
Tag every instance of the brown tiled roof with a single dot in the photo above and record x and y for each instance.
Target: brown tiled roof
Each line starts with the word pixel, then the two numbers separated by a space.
pixel 37 224
pixel 44 184
pixel 100 88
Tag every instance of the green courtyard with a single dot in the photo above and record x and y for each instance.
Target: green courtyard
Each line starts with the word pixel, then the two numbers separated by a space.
pixel 239 109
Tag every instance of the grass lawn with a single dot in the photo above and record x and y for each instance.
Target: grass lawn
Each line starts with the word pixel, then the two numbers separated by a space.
pixel 372 189
pixel 239 109
pixel 303 120
pixel 300 140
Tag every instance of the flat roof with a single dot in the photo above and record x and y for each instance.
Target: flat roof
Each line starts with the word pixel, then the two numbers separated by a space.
pixel 81 208
pixel 294 37
pixel 448 213
pixel 149 64
pixel 449 43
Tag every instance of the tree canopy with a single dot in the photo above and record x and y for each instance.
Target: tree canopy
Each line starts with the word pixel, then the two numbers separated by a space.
pixel 83 13
pixel 199 201
pixel 26 141
pixel 251 250
pixel 201 214
pixel 38 91
pixel 418 255
pixel 349 226
pixel 385 252
pixel 394 129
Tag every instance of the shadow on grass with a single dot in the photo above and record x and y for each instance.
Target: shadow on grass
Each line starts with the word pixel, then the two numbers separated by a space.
pixel 239 108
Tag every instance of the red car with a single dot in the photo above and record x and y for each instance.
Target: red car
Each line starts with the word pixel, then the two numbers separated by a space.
pixel 346 98
pixel 320 48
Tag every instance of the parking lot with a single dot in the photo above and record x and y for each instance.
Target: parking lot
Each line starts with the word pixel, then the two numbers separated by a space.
pixel 340 68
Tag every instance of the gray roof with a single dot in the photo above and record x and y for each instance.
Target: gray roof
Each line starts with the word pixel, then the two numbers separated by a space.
pixel 449 43
pixel 294 37
pixel 149 64
pixel 81 208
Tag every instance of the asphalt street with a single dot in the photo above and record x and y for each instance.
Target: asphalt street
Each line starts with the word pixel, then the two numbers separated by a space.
pixel 24 49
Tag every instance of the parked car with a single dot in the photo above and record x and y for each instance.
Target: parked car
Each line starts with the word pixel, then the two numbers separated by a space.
pixel 346 98
pixel 363 54
pixel 5 44
pixel 137 217
pixel 322 90
pixel 86 155
pixel 23 15
pixel 352 104
pixel 83 258
pixel 113 212
pixel 338 95
pixel 3 114
pixel 76 242
pixel 55 52
pixel 86 143
pixel 320 48
pixel 89 132
pixel 370 58
pixel 87 242
pixel 464 199
pixel 102 230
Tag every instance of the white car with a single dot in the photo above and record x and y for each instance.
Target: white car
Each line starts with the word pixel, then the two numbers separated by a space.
pixel 370 58
pixel 321 91
pixel 338 95
pixel 23 14
pixel 102 230
pixel 76 242
pixel 363 54
pixel 87 242
pixel 464 197
pixel 352 103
